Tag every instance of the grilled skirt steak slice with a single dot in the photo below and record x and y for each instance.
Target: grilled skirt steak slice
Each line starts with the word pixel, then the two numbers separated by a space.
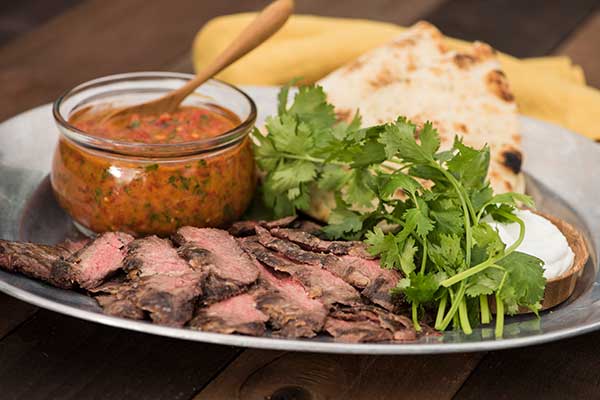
pixel 152 255
pixel 292 313
pixel 238 314
pixel 365 274
pixel 319 283
pixel 94 262
pixel 229 270
pixel 368 324
pixel 117 297
pixel 311 242
pixel 34 260
pixel 160 283
pixel 248 228
pixel 124 308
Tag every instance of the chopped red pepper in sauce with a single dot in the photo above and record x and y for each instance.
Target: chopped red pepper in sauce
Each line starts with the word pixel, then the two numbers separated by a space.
pixel 187 124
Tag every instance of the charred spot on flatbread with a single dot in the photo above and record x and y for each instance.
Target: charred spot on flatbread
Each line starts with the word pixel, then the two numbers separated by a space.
pixel 513 159
pixel 383 78
pixel 343 114
pixel 497 83
pixel 404 43
pixel 354 65
pixel 464 61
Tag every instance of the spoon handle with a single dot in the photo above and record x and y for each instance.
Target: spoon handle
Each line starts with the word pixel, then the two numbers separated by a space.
pixel 269 21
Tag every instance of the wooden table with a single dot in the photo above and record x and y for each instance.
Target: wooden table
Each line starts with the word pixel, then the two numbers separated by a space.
pixel 49 46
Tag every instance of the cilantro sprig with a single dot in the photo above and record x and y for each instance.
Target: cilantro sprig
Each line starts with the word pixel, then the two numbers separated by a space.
pixel 421 210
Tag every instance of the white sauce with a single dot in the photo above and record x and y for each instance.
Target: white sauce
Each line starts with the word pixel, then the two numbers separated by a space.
pixel 542 240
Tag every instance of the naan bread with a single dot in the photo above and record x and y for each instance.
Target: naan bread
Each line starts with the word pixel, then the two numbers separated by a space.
pixel 418 77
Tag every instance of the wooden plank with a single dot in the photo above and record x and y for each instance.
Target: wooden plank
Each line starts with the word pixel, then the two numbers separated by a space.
pixel 258 374
pixel 54 356
pixel 523 29
pixel 583 47
pixel 12 313
pixel 561 370
pixel 18 17
pixel 399 12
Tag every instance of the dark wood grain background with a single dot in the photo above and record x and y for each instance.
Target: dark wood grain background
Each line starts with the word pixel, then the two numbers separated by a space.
pixel 47 46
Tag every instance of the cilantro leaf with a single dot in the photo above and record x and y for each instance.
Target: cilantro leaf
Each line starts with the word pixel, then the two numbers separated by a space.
pixel 430 139
pixel 333 177
pixel 407 257
pixel 359 190
pixel 267 156
pixel 419 288
pixel 396 135
pixel 288 135
pixel 469 165
pixel 370 153
pixel 525 282
pixel 291 174
pixel 399 180
pixel 384 245
pixel 484 283
pixel 448 253
pixel 342 223
pixel 418 217
pixel 310 105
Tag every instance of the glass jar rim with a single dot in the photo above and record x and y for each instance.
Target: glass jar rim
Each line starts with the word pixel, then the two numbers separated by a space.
pixel 226 139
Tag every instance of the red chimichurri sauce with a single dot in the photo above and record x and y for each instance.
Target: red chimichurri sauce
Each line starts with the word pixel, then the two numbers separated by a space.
pixel 187 124
pixel 103 191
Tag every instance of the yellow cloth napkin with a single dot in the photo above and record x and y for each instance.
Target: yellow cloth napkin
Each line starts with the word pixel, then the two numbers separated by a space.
pixel 549 88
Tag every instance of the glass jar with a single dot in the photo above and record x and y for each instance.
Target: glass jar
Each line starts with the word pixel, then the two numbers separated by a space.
pixel 152 188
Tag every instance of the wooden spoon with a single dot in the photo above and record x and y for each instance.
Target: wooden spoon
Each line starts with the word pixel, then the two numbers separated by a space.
pixel 269 21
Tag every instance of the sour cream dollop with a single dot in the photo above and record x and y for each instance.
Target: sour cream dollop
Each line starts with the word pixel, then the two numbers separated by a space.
pixel 542 240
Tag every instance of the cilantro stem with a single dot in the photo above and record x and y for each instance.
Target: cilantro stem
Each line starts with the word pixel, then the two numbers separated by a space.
pixel 519 240
pixel 468 272
pixel 499 316
pixel 441 310
pixel 424 258
pixel 500 309
pixel 313 159
pixel 490 261
pixel 415 317
pixel 466 211
pixel 485 309
pixel 464 317
pixel 455 303
pixel 395 220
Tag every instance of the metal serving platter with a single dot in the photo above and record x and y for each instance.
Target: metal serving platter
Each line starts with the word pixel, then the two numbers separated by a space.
pixel 562 175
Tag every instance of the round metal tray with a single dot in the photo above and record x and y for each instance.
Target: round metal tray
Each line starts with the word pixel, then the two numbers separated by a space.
pixel 560 170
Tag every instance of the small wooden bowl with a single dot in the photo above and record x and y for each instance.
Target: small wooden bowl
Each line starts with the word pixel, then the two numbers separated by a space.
pixel 561 288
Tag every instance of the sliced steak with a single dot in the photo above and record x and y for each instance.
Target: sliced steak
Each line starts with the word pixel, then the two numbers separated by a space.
pixel 119 307
pixel 237 314
pixel 368 324
pixel 170 299
pixel 160 283
pixel 248 228
pixel 229 270
pixel 311 242
pixel 117 297
pixel 34 260
pixel 94 262
pixel 359 272
pixel 319 283
pixel 73 246
pixel 292 313
pixel 153 255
